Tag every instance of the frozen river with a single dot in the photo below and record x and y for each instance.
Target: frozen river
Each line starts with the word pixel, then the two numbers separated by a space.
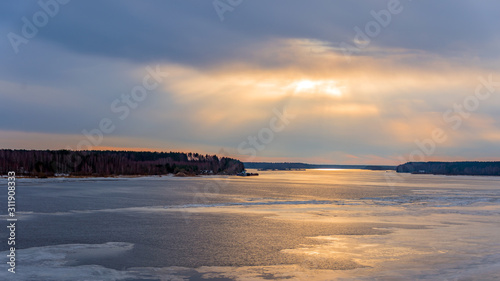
pixel 293 225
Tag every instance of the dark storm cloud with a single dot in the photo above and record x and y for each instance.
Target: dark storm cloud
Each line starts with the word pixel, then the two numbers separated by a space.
pixel 191 31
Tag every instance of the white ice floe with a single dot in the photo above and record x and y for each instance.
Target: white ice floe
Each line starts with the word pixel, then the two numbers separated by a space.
pixel 49 263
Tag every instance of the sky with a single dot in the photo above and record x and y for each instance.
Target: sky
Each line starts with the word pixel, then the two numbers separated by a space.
pixel 334 82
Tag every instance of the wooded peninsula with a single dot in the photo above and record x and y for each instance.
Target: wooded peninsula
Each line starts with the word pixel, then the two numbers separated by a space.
pixel 95 163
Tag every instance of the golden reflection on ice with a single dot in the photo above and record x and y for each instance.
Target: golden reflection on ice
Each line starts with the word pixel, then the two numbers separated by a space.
pixel 427 226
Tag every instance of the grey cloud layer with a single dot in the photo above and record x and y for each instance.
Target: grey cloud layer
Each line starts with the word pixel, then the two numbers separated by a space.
pixel 191 32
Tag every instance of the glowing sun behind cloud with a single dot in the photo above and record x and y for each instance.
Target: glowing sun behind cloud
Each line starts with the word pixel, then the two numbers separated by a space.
pixel 328 87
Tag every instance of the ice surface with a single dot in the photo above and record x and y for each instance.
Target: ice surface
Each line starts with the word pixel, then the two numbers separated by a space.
pixel 435 228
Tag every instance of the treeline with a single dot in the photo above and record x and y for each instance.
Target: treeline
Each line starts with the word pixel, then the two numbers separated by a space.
pixel 48 163
pixel 451 168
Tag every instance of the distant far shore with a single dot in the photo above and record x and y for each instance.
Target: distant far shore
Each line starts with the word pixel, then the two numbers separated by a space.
pixel 287 166
pixel 464 168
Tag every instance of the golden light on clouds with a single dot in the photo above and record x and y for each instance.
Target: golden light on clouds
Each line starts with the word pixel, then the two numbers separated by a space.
pixel 337 103
pixel 328 87
pixel 354 93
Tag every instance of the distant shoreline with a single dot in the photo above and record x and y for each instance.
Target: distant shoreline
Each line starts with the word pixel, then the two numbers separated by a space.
pixel 463 168
pixel 287 166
